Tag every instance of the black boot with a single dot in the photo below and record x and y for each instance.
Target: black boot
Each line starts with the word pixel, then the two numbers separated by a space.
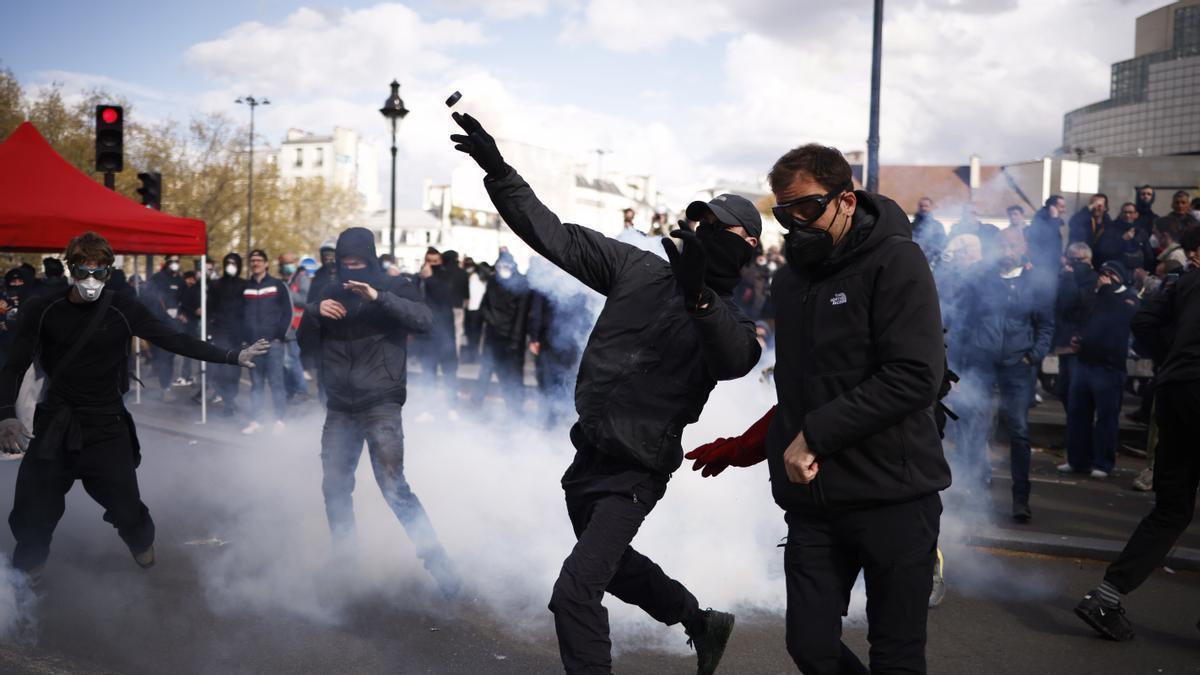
pixel 1021 511
pixel 708 633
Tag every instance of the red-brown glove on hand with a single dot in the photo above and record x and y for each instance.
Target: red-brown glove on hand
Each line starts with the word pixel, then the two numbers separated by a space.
pixel 746 450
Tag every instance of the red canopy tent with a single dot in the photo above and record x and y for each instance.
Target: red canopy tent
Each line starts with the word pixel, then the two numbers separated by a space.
pixel 44 202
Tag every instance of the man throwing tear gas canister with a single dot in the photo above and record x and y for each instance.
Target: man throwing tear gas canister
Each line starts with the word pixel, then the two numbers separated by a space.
pixel 853 447
pixel 362 319
pixel 666 334
pixel 81 430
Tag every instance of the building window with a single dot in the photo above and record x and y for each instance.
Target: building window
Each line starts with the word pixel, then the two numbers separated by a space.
pixel 320 157
pixel 299 158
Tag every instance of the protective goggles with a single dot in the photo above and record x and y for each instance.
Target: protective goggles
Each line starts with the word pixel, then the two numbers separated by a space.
pixel 804 211
pixel 79 272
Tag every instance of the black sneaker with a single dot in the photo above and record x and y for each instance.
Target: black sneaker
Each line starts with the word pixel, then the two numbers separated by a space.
pixel 1109 622
pixel 1021 512
pixel 709 635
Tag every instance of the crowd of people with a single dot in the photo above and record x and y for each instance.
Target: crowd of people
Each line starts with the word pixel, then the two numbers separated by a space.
pixel 882 327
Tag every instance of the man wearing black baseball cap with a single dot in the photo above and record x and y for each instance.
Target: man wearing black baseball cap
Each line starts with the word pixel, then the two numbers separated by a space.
pixel 649 366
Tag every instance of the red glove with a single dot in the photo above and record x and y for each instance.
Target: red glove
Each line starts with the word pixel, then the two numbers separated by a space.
pixel 746 450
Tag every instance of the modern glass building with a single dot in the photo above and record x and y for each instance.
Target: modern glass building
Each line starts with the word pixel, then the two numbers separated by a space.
pixel 1154 104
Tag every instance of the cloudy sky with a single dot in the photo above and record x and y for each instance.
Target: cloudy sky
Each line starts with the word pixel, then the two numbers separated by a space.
pixel 693 91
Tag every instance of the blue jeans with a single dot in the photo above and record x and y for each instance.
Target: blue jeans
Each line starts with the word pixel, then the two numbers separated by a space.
pixel 268 368
pixel 974 398
pixel 293 369
pixel 1094 416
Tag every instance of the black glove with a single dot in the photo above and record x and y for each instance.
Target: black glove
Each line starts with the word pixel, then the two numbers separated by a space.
pixel 688 266
pixel 480 145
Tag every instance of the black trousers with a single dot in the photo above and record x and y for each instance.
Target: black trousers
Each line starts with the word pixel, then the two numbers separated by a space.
pixel 1176 477
pixel 606 515
pixel 106 466
pixel 508 365
pixel 341 447
pixel 226 377
pixel 895 547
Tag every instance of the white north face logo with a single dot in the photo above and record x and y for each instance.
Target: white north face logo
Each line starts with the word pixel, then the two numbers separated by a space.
pixel 838 299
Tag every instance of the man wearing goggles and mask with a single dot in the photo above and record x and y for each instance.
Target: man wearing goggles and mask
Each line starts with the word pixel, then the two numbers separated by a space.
pixel 666 334
pixel 853 447
pixel 81 430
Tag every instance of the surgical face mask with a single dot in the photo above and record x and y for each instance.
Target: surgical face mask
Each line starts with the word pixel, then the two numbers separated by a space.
pixel 231 270
pixel 386 264
pixel 1154 243
pixel 504 272
pixel 173 266
pixel 288 268
pixel 89 289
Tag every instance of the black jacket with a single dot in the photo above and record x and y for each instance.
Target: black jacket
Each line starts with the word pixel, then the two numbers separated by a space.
pixel 1043 237
pixel 1005 320
pixel 1104 340
pixel 227 310
pixel 930 235
pixel 505 310
pixel 363 356
pixel 1133 253
pixel 268 309
pixel 1167 329
pixel 859 364
pixel 1079 228
pixel 1073 304
pixel 649 364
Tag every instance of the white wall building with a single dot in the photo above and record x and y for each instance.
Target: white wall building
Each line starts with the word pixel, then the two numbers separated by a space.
pixel 471 226
pixel 342 158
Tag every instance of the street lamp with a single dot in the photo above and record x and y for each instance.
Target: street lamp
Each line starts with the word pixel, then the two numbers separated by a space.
pixel 253 103
pixel 394 110
pixel 872 183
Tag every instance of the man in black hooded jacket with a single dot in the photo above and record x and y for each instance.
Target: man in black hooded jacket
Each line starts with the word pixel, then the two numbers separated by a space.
pixel 362 319
pixel 853 448
pixel 227 320
pixel 648 368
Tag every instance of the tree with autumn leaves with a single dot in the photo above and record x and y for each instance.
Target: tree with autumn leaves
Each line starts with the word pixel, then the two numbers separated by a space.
pixel 204 171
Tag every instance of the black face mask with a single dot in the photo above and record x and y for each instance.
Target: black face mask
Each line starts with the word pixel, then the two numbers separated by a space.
pixel 364 275
pixel 727 255
pixel 806 246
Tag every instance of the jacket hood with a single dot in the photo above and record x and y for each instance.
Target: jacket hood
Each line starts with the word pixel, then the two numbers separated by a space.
pixel 232 258
pixel 358 242
pixel 1115 267
pixel 876 218
pixel 450 258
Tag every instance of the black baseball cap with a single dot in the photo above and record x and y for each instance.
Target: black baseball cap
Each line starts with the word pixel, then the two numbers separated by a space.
pixel 730 210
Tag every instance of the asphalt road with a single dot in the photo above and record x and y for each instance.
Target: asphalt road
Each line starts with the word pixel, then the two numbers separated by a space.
pixel 99 613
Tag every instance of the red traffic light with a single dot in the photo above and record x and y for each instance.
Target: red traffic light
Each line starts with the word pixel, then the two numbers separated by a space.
pixel 110 115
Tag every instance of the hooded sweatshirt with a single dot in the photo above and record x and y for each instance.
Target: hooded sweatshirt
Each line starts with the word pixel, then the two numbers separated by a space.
pixel 363 356
pixel 1104 340
pixel 860 360
pixel 227 306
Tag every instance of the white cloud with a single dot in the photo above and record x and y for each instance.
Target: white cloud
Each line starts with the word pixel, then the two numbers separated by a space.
pixel 500 9
pixel 959 77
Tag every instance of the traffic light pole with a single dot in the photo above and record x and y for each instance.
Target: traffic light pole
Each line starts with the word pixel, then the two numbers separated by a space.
pixel 110 180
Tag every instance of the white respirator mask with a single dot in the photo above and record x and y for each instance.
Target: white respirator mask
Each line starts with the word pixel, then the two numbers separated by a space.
pixel 89 289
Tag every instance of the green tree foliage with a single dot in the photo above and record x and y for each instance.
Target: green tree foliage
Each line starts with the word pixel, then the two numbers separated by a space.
pixel 204 165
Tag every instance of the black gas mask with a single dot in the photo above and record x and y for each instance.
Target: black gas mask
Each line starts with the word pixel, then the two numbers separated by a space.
pixel 805 245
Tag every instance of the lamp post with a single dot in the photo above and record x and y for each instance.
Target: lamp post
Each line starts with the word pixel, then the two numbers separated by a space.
pixel 393 109
pixel 253 103
pixel 872 184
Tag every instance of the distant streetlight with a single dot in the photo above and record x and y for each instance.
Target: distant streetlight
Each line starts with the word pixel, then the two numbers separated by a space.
pixel 393 109
pixel 253 103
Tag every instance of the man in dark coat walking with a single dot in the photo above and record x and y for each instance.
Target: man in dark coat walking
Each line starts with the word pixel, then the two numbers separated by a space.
pixel 666 334
pixel 362 319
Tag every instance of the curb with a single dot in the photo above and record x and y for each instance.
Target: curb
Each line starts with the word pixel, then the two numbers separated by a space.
pixel 1068 546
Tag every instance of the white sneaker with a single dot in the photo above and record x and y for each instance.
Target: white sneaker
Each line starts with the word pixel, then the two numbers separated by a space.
pixel 1065 467
pixel 278 428
pixel 1097 473
pixel 252 428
